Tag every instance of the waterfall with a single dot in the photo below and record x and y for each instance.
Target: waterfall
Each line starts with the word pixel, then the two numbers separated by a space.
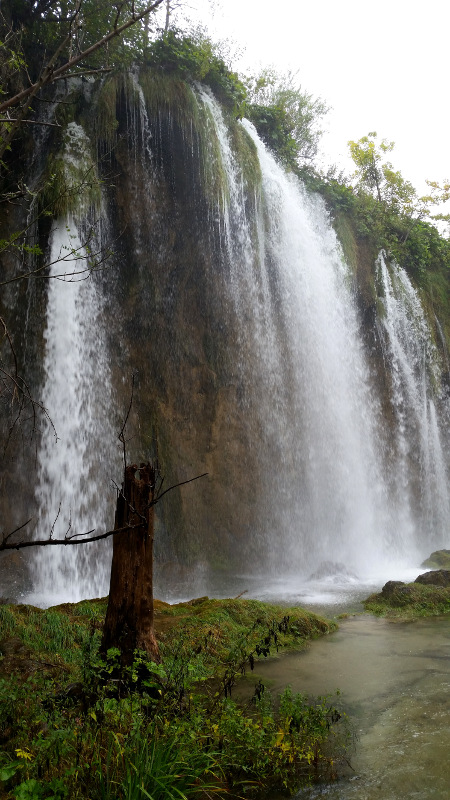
pixel 235 297
pixel 335 487
pixel 418 462
pixel 75 457
pixel 339 496
pixel 299 355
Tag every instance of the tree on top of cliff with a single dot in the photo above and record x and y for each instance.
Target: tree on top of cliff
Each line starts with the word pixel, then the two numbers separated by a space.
pixel 376 176
pixel 286 117
pixel 394 217
pixel 56 41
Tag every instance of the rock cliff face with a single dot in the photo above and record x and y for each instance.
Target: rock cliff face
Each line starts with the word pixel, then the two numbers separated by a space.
pixel 259 356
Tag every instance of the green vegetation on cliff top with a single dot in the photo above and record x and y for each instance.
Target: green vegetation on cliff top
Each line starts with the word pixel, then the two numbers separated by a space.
pixel 380 207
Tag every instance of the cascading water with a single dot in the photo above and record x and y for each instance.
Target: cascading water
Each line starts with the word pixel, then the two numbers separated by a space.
pixel 417 463
pixel 75 458
pixel 299 348
pixel 323 491
pixel 265 382
pixel 335 489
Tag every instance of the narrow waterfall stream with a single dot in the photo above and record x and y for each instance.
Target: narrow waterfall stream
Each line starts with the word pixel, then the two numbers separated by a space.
pixel 74 487
pixel 417 470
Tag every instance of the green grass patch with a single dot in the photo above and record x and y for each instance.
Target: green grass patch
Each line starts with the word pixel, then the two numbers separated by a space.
pixel 440 559
pixel 410 601
pixel 71 727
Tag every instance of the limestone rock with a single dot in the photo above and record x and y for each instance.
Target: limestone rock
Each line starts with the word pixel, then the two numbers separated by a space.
pixel 391 587
pixel 438 577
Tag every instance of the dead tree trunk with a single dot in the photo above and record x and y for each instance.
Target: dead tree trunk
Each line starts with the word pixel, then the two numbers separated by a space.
pixel 129 616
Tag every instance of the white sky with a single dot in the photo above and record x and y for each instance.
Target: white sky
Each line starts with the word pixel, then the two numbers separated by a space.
pixel 382 66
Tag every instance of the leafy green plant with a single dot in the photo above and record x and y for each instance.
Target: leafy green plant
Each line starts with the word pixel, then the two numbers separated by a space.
pixel 85 729
pixel 286 117
pixel 150 766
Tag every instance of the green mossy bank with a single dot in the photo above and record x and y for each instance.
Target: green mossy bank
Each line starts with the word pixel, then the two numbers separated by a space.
pixel 410 603
pixel 427 596
pixel 72 726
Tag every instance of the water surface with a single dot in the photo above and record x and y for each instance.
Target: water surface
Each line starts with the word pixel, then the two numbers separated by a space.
pixel 394 680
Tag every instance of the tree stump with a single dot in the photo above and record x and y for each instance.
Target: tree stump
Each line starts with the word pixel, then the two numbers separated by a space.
pixel 129 616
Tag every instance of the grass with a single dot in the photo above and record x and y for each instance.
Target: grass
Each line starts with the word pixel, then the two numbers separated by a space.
pixel 64 630
pixel 410 601
pixel 440 559
pixel 70 732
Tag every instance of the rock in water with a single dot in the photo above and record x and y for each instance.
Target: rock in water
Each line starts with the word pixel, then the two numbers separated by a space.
pixel 333 570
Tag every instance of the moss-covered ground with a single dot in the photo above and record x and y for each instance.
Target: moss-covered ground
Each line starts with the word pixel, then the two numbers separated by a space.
pixel 73 726
pixel 410 601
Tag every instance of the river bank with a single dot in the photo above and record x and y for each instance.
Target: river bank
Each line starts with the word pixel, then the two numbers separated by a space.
pixel 76 725
pixel 394 683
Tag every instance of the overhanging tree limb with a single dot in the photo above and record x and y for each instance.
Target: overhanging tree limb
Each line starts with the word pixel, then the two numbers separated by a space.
pixel 49 74
pixel 5 544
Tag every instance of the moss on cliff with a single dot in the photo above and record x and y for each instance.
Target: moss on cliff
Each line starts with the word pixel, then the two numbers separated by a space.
pixel 72 185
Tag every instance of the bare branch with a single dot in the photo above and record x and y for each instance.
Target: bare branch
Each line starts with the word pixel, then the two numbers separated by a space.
pixel 176 485
pixel 16 530
pixel 122 432
pixel 18 389
pixel 32 122
pixel 76 254
pixel 49 75
pixel 70 540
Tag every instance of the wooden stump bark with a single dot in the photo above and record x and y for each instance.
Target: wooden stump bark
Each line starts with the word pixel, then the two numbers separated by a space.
pixel 129 617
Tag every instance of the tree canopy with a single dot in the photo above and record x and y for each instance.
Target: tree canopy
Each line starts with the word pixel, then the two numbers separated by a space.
pixel 376 176
pixel 286 117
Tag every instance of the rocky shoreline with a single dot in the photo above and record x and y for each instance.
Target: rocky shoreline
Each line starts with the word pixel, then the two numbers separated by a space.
pixel 428 595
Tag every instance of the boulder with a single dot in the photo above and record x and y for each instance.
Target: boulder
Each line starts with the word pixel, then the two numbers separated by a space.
pixel 437 577
pixel 391 587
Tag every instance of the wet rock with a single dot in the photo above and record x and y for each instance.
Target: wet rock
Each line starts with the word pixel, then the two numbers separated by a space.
pixel 438 577
pixel 391 587
pixel 14 576
pixel 404 592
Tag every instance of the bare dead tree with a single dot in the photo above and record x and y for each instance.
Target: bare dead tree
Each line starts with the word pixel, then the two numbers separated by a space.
pixel 129 616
